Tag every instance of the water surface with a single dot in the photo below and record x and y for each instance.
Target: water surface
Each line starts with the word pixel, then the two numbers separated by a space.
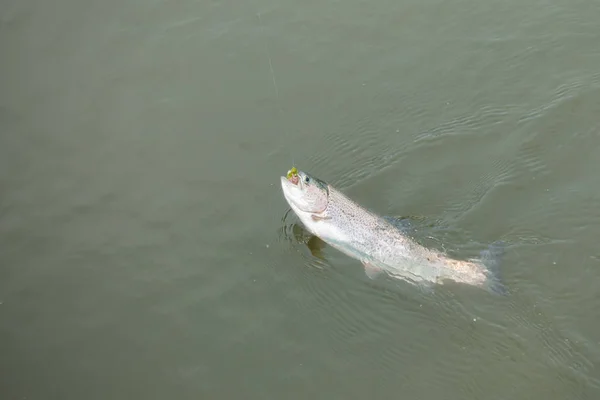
pixel 145 250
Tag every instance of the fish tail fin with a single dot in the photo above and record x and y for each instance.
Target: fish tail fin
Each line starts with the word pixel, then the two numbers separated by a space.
pixel 491 259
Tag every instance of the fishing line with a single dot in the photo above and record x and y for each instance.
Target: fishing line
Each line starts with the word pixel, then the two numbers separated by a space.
pixel 283 234
pixel 280 110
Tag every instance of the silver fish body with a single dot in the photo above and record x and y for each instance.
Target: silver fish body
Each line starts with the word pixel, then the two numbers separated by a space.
pixel 361 234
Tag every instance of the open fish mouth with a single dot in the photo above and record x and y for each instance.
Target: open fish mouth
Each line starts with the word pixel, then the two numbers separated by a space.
pixel 292 176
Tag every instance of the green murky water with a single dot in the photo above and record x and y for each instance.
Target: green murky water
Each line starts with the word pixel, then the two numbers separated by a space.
pixel 145 250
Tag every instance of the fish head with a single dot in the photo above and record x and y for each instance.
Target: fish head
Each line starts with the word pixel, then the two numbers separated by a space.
pixel 304 192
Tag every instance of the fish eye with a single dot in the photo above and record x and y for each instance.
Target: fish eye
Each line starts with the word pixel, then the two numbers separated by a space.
pixel 307 179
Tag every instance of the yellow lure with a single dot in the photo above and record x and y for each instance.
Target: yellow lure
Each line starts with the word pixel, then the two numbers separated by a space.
pixel 292 172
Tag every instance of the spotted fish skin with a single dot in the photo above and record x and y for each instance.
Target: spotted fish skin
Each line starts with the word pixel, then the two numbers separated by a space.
pixel 361 234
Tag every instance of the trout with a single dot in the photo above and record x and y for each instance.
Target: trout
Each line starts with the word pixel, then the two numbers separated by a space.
pixel 379 245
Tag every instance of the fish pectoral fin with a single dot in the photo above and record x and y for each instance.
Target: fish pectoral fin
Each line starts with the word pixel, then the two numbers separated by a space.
pixel 440 280
pixel 372 271
pixel 315 245
pixel 318 217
